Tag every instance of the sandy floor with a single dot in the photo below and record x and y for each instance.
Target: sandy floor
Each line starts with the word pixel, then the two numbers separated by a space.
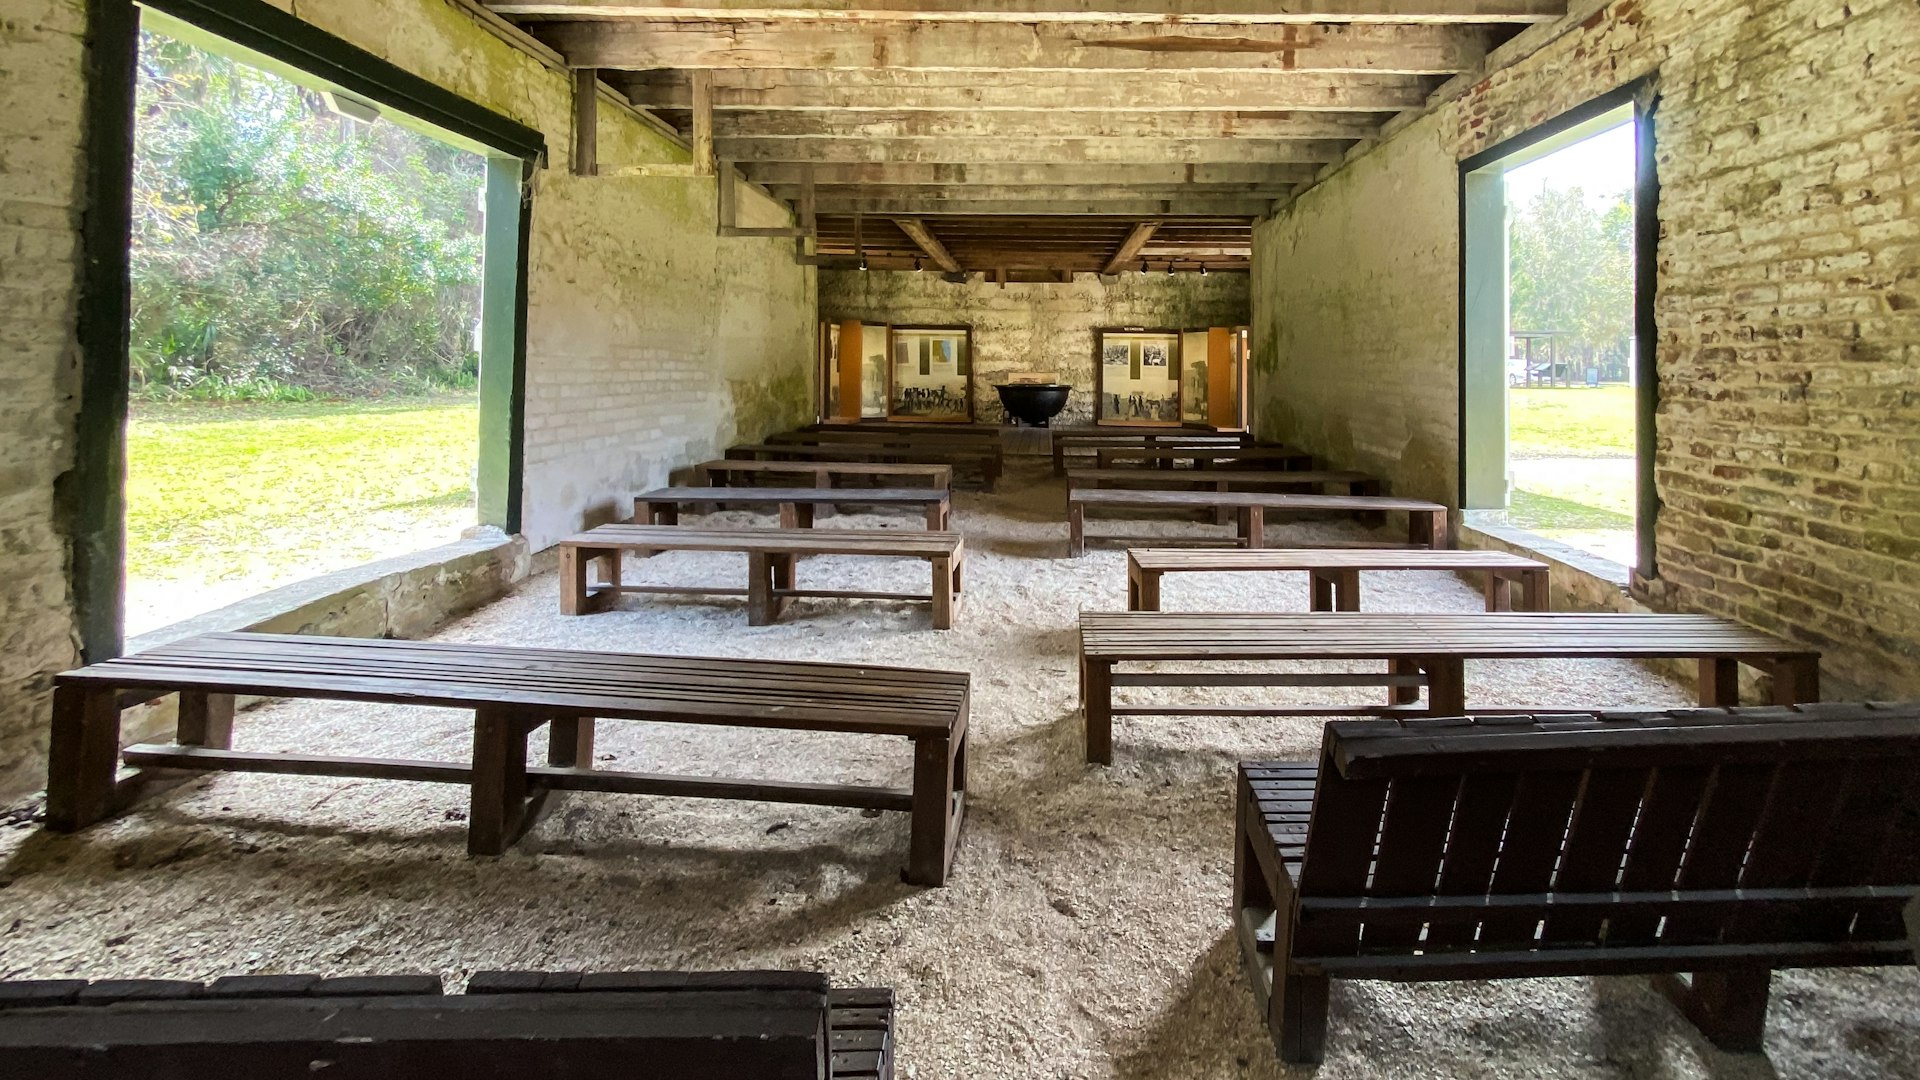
pixel 1084 933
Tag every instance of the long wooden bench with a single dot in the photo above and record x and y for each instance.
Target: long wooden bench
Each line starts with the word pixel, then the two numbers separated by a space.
pixel 1333 575
pixel 796 506
pixel 702 1025
pixel 512 693
pixel 1203 457
pixel 1065 440
pixel 772 559
pixel 1725 844
pixel 1351 482
pixel 722 472
pixel 983 463
pixel 1426 521
pixel 1421 650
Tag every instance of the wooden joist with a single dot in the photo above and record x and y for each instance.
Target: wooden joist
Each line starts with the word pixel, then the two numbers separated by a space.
pixel 1199 12
pixel 1129 248
pixel 923 236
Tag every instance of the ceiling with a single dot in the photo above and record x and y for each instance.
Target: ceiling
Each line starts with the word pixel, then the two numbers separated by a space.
pixel 1028 136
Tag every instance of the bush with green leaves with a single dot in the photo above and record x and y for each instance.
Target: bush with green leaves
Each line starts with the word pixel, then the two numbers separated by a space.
pixel 283 252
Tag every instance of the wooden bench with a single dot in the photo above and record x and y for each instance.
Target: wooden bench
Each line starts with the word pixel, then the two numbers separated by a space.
pixel 1333 576
pixel 512 692
pixel 721 473
pixel 705 1025
pixel 772 558
pixel 1426 521
pixel 1421 650
pixel 1202 457
pixel 1724 844
pixel 796 506
pixel 1091 441
pixel 1310 481
pixel 983 463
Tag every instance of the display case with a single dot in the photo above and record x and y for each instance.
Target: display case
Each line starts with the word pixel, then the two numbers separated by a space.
pixel 1139 377
pixel 873 371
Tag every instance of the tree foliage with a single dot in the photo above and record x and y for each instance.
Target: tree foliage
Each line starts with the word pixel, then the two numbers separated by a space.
pixel 281 250
pixel 1572 271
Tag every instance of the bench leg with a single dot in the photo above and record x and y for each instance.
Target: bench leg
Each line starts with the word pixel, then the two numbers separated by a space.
pixel 1534 589
pixel 573 581
pixel 942 593
pixel 1346 590
pixel 1403 695
pixel 1096 701
pixel 1149 591
pixel 1253 527
pixel 760 598
pixel 1729 1007
pixel 570 742
pixel 1446 686
pixel 577 593
pixel 205 720
pixel 1076 530
pixel 1499 591
pixel 1719 682
pixel 1427 529
pixel 930 848
pixel 498 800
pixel 937 517
pixel 1319 591
pixel 1297 1014
pixel 959 577
pixel 1796 680
pixel 83 756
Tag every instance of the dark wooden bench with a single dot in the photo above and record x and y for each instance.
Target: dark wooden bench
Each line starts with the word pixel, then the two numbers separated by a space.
pixel 772 558
pixel 796 506
pixel 983 463
pixel 1421 650
pixel 1262 456
pixel 512 692
pixel 1065 440
pixel 1721 843
pixel 721 473
pixel 687 1025
pixel 1333 575
pixel 1426 521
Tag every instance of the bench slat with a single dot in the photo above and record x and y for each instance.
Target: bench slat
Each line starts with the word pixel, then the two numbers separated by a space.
pixel 903 542
pixel 1237 559
pixel 1265 499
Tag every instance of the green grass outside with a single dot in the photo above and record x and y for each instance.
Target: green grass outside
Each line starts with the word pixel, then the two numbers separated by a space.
pixel 1570 422
pixel 236 499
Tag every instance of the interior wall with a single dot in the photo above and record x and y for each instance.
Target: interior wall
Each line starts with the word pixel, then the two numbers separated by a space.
pixel 1035 326
pixel 651 342
pixel 1787 309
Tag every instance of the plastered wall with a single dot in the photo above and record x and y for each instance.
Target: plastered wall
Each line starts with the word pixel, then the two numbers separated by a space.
pixel 1788 307
pixel 651 342
pixel 1035 326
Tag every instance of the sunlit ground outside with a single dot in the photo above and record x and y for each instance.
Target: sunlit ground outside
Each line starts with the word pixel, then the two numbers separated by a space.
pixel 1570 451
pixel 226 501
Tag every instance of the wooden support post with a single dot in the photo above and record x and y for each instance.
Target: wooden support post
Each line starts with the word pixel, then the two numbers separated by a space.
pixel 703 159
pixel 586 122
pixel 1534 588
pixel 759 589
pixel 1096 701
pixel 930 843
pixel 1499 591
pixel 205 720
pixel 1729 1007
pixel 1076 529
pixel 1796 680
pixel 498 799
pixel 1446 686
pixel 570 742
pixel 83 756
pixel 942 593
pixel 1320 588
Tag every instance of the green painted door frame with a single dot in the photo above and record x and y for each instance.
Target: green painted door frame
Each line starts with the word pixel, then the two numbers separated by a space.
pixel 92 498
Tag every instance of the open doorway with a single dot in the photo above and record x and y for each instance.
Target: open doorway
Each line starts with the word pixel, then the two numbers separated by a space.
pixel 1556 377
pixel 303 348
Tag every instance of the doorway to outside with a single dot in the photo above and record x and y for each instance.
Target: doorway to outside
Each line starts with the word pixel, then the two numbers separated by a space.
pixel 304 346
pixel 1554 380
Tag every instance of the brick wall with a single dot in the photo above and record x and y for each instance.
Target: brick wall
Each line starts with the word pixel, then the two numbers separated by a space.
pixel 1035 326
pixel 1788 306
pixel 651 342
pixel 42 95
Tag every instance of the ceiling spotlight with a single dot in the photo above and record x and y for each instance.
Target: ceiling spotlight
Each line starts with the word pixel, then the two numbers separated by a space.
pixel 1203 269
pixel 1169 267
pixel 1143 268
pixel 917 268
pixel 863 262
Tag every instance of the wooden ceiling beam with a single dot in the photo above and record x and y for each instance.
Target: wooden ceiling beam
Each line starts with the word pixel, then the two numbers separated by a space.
pixel 1130 247
pixel 1034 193
pixel 1035 92
pixel 1377 49
pixel 1119 203
pixel 973 124
pixel 1252 12
pixel 1035 151
pixel 924 239
pixel 889 174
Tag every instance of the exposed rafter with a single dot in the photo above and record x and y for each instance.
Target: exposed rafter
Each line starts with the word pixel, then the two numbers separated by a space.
pixel 1129 248
pixel 786 174
pixel 1120 202
pixel 1027 11
pixel 971 124
pixel 918 232
pixel 1035 151
pixel 971 46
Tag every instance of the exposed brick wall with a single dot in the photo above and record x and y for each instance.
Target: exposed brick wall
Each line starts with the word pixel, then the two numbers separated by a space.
pixel 1035 326
pixel 42 95
pixel 1788 305
pixel 651 342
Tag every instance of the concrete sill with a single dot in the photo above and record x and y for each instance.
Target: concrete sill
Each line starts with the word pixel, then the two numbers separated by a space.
pixel 1582 581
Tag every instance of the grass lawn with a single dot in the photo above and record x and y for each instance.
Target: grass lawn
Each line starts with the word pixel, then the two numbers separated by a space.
pixel 224 501
pixel 1570 422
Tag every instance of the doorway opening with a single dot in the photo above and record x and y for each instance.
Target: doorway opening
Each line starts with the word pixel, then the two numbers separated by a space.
pixel 1557 379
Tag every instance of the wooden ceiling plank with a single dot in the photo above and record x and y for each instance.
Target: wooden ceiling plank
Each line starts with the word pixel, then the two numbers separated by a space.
pixel 1250 12
pixel 1248 206
pixel 1130 247
pixel 923 238
pixel 1100 123
pixel 1035 151
pixel 904 174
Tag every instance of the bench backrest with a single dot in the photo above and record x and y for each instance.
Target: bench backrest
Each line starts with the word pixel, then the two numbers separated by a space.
pixel 1615 838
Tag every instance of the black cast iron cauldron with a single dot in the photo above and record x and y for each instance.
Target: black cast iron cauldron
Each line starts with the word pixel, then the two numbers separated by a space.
pixel 1033 403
